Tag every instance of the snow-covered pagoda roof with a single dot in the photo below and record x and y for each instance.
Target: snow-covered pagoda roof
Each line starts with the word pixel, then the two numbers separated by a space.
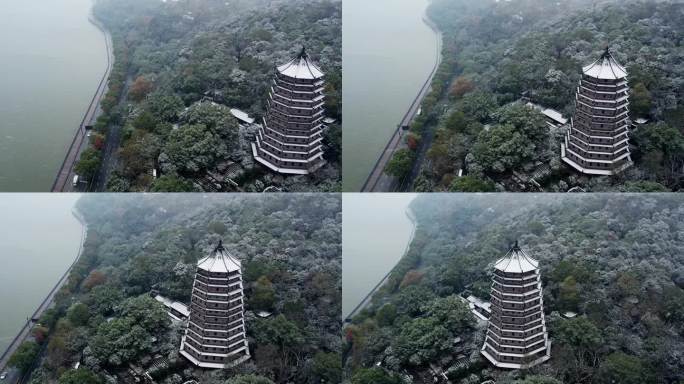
pixel 516 261
pixel 219 261
pixel 606 67
pixel 301 67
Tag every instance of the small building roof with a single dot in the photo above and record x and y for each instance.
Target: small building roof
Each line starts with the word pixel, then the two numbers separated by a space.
pixel 242 116
pixel 301 67
pixel 641 121
pixel 606 67
pixel 516 261
pixel 219 261
pixel 555 116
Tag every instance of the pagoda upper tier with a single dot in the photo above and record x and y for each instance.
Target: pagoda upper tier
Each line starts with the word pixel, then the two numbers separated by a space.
pixel 215 335
pixel 597 142
pixel 290 140
pixel 516 335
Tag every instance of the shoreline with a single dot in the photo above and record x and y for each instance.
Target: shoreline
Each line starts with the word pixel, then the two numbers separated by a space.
pixel 378 169
pixel 65 170
pixel 25 332
pixel 366 299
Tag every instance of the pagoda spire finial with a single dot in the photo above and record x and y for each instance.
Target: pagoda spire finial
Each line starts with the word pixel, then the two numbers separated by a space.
pixel 606 53
pixel 219 247
pixel 515 246
pixel 302 53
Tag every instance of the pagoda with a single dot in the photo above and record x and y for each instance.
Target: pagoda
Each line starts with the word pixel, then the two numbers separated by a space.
pixel 598 140
pixel 516 335
pixel 290 139
pixel 215 334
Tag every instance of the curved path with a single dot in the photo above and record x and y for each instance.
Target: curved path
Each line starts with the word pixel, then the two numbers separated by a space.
pixel 65 174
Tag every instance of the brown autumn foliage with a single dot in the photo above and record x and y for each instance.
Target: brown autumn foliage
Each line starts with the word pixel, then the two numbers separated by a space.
pixel 412 141
pixel 94 279
pixel 140 88
pixel 411 277
pixel 460 87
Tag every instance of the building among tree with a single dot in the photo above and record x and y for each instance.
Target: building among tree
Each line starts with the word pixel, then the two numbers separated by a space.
pixel 516 334
pixel 291 138
pixel 598 140
pixel 215 335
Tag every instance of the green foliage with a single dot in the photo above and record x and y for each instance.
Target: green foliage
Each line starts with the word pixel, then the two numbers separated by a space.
pixel 374 376
pixel 451 312
pixel 386 314
pixel 279 331
pixel 172 183
pixel 88 163
pixel 421 341
pixel 79 376
pixel 120 341
pixel 327 367
pixel 146 312
pixel 218 228
pixel 24 356
pixel 640 100
pixel 78 314
pixel 625 369
pixel 264 294
pixel 248 379
pixel 471 184
pixel 401 163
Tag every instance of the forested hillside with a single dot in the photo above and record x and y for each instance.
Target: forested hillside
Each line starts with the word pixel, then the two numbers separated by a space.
pixel 498 52
pixel 104 317
pixel 616 260
pixel 181 65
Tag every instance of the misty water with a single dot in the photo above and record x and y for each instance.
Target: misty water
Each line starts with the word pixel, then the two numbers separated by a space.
pixel 40 240
pixel 375 234
pixel 388 53
pixel 51 59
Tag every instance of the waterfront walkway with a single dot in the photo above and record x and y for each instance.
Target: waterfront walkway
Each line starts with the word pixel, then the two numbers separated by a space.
pixel 377 180
pixel 63 180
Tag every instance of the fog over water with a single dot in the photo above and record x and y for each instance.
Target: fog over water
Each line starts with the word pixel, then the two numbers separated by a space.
pixel 388 53
pixel 375 234
pixel 40 239
pixel 51 59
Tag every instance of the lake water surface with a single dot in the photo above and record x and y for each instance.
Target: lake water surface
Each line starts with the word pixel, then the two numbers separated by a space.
pixel 388 53
pixel 40 239
pixel 51 60
pixel 375 235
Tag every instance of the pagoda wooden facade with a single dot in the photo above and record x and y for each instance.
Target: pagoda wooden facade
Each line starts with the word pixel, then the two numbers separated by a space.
pixel 516 334
pixel 215 335
pixel 290 140
pixel 598 140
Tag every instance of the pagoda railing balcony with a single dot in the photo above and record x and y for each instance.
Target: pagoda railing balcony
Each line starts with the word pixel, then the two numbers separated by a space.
pixel 517 305
pixel 596 155
pixel 289 87
pixel 293 114
pixel 515 312
pixel 214 281
pixel 213 349
pixel 598 150
pixel 515 289
pixel 290 139
pixel 608 165
pixel 291 163
pixel 516 281
pixel 218 275
pixel 519 350
pixel 306 136
pixel 283 122
pixel 289 155
pixel 291 100
pixel 521 332
pixel 515 342
pixel 513 296
pixel 274 142
pixel 209 288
